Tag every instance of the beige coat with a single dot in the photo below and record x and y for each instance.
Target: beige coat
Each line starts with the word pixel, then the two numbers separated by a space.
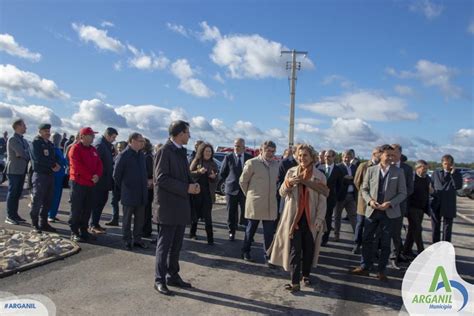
pixel 358 179
pixel 279 250
pixel 258 182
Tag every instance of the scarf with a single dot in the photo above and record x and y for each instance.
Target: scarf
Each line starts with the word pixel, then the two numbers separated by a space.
pixel 303 199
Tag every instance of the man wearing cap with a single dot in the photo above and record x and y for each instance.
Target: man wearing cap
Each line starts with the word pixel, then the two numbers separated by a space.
pixel 44 164
pixel 85 170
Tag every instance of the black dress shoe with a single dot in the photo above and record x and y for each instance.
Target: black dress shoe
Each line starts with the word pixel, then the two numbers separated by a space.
pixel 77 238
pixel 141 244
pixel 20 219
pixel 179 283
pixel 48 228
pixel 163 289
pixel 37 229
pixel 88 237
pixel 112 223
pixel 128 245
pixel 246 257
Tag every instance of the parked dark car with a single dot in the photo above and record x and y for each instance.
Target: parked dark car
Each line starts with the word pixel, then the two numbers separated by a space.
pixel 467 185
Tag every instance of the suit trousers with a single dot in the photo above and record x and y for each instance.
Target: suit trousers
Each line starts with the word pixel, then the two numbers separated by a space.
pixel 415 220
pixel 436 220
pixel 147 224
pixel 15 189
pixel 81 207
pixel 397 245
pixel 359 229
pixel 233 203
pixel 329 212
pixel 100 199
pixel 43 192
pixel 115 203
pixel 170 241
pixel 302 242
pixel 349 204
pixel 138 213
pixel 377 220
pixel 268 232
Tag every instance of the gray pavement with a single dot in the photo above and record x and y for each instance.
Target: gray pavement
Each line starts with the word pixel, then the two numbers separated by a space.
pixel 106 279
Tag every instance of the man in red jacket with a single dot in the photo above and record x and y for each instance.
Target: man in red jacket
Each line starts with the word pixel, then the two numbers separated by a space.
pixel 85 168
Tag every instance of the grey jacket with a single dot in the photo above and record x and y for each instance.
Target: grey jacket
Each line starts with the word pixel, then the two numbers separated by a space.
pixel 18 154
pixel 395 193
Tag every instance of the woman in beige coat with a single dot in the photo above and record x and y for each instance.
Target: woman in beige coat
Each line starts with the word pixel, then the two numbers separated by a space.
pixel 258 182
pixel 302 222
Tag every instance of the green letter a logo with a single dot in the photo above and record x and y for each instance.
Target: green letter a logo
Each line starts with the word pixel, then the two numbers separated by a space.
pixel 440 272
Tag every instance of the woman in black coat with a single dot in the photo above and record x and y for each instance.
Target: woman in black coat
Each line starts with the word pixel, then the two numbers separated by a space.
pixel 203 171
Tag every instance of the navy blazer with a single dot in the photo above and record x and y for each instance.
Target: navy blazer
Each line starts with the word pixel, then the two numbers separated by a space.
pixel 445 186
pixel 334 183
pixel 231 173
pixel 347 182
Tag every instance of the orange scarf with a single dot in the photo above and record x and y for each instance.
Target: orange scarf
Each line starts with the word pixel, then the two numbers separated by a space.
pixel 303 199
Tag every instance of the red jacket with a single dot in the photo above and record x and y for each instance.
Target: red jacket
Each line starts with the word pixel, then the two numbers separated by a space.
pixel 84 162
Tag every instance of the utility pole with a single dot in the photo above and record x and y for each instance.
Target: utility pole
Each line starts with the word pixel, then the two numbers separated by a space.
pixel 293 65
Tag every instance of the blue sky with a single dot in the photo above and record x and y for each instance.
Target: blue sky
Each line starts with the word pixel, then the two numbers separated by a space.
pixel 376 72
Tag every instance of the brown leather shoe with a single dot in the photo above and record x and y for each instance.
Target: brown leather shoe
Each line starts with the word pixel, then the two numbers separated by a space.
pixel 382 277
pixel 96 231
pixel 359 271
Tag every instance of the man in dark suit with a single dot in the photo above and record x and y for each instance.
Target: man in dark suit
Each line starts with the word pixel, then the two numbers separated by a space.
pixel 334 178
pixel 171 206
pixel 231 169
pixel 397 244
pixel 101 191
pixel 283 168
pixel 383 189
pixel 347 198
pixel 445 183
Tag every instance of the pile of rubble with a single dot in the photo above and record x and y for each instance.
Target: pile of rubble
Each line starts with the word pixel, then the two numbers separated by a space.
pixel 20 249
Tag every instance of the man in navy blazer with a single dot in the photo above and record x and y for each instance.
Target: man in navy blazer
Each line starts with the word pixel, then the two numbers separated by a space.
pixel 231 169
pixel 445 183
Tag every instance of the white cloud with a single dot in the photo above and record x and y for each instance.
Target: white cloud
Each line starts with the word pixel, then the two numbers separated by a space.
pixel 366 105
pixel 229 96
pixel 15 81
pixel 306 128
pixel 465 137
pixel 218 78
pixel 118 66
pixel 209 33
pixel 470 27
pixel 306 120
pixel 94 111
pixel 107 24
pixel 404 90
pixel 201 123
pixel 101 95
pixel 343 82
pixel 178 29
pixel 183 71
pixel 428 8
pixel 432 74
pixel 88 33
pixel 147 62
pixel 248 56
pixel 32 114
pixel 11 47
pixel 351 131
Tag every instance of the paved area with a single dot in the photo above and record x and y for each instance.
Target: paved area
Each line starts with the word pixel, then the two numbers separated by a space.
pixel 106 279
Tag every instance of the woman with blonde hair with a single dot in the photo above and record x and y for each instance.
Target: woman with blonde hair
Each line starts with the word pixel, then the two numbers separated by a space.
pixel 297 241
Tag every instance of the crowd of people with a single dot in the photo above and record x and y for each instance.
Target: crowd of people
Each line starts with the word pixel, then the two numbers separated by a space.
pixel 299 199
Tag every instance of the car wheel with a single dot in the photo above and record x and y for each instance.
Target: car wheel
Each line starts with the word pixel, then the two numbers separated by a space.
pixel 221 188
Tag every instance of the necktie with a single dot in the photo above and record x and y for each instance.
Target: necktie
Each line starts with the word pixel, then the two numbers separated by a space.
pixel 328 172
pixel 239 162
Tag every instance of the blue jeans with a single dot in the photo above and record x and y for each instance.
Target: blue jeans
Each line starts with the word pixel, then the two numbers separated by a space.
pixel 15 189
pixel 268 232
pixel 58 192
pixel 377 220
pixel 359 229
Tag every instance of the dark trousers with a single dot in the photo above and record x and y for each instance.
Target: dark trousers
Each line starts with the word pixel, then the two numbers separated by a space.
pixel 397 245
pixel 201 206
pixel 378 220
pixel 436 219
pixel 147 224
pixel 233 203
pixel 43 192
pixel 268 232
pixel 359 229
pixel 15 189
pixel 170 240
pixel 415 220
pixel 138 213
pixel 329 211
pixel 115 203
pixel 100 199
pixel 302 241
pixel 81 207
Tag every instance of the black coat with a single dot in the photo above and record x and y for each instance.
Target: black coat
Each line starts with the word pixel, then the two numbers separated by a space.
pixel 231 173
pixel 130 177
pixel 445 186
pixel 171 179
pixel 334 183
pixel 104 149
pixel 409 179
pixel 346 182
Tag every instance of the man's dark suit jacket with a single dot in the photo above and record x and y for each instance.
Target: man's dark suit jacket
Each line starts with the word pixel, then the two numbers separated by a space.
pixel 347 182
pixel 410 182
pixel 285 165
pixel 445 186
pixel 334 183
pixel 231 173
pixel 171 179
pixel 104 149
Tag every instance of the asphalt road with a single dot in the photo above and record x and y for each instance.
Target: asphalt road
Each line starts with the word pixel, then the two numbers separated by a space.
pixel 106 279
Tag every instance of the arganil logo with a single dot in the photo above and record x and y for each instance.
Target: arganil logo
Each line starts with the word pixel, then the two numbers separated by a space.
pixel 432 285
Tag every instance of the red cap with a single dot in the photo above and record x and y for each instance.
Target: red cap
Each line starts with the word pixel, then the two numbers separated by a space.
pixel 87 131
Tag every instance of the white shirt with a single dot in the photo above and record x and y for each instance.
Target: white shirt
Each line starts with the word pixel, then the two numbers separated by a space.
pixel 176 144
pixel 241 158
pixel 384 172
pixel 350 188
